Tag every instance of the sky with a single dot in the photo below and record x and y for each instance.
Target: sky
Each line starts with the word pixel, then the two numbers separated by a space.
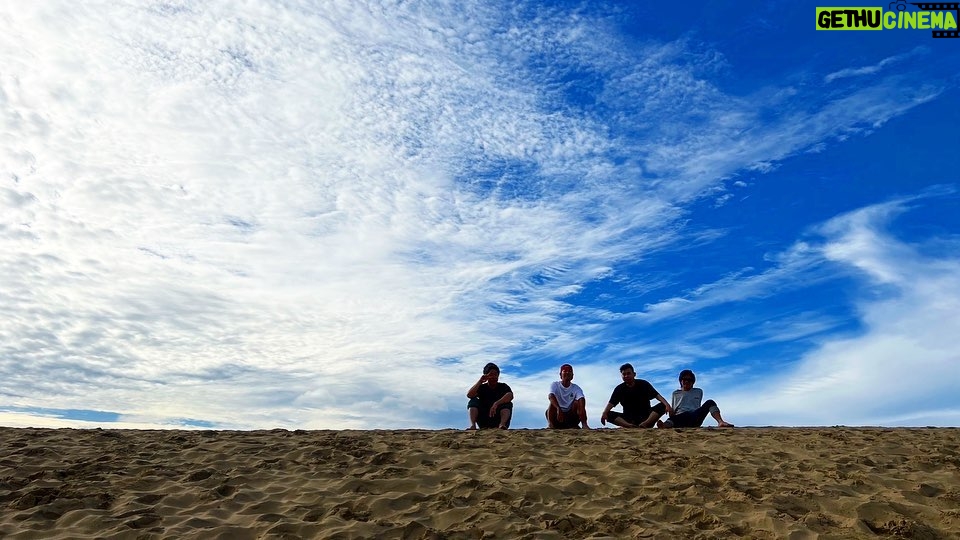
pixel 331 214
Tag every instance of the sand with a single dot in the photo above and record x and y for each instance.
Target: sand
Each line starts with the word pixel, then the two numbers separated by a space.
pixel 706 483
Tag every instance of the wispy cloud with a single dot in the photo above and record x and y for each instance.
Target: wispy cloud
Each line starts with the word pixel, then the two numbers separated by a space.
pixel 898 368
pixel 305 215
pixel 875 68
pixel 870 366
pixel 798 266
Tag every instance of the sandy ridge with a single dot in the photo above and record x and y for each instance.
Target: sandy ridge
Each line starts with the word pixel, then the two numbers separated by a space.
pixel 707 483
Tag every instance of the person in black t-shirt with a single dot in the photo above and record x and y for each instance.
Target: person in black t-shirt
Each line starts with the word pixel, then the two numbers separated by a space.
pixel 491 401
pixel 635 395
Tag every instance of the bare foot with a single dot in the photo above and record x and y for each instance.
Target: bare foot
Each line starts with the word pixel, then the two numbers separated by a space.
pixel 503 427
pixel 725 424
pixel 659 424
pixel 471 428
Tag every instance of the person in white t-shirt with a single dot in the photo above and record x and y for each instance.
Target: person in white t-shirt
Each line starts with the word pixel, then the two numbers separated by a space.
pixel 568 406
pixel 687 410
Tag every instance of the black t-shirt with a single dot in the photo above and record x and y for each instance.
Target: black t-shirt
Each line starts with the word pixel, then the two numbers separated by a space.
pixel 635 400
pixel 488 394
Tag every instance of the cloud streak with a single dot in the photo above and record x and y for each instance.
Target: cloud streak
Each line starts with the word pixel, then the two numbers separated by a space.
pixel 875 68
pixel 907 311
pixel 295 210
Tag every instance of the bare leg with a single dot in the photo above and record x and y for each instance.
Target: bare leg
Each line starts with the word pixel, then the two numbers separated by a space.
pixel 623 423
pixel 651 420
pixel 580 408
pixel 720 421
pixel 551 417
pixel 474 414
pixel 505 418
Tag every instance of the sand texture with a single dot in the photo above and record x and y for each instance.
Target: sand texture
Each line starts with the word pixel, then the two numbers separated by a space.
pixel 706 483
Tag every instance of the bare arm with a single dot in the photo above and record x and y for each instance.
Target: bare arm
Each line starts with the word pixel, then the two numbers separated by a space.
pixel 603 417
pixel 553 401
pixel 555 406
pixel 507 398
pixel 475 389
pixel 665 404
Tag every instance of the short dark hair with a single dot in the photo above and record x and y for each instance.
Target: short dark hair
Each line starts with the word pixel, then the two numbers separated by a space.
pixel 687 374
pixel 490 367
pixel 626 367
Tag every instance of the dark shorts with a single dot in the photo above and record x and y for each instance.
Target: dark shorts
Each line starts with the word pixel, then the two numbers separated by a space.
pixel 483 419
pixel 637 417
pixel 570 421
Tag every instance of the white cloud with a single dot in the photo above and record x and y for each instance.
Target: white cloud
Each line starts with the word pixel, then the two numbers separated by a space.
pixel 901 368
pixel 268 214
pixel 875 68
pixel 25 420
pixel 228 198
pixel 799 266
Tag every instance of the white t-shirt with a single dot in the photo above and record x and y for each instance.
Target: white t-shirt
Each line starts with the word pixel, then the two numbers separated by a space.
pixel 565 396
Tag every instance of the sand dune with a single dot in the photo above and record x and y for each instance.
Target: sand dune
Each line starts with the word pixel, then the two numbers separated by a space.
pixel 751 483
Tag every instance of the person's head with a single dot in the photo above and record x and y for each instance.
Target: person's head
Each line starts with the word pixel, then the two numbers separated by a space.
pixel 492 372
pixel 566 373
pixel 687 378
pixel 627 373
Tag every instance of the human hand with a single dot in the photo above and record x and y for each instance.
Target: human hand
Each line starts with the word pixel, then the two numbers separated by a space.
pixel 493 411
pixel 603 419
pixel 560 416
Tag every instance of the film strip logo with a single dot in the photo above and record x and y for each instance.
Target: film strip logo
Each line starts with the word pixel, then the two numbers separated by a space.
pixel 939 17
pixel 901 5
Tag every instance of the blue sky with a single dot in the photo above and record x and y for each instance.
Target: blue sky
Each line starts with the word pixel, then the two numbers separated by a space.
pixel 329 215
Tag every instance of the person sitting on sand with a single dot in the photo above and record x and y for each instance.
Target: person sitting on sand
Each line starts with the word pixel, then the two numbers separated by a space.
pixel 568 406
pixel 491 401
pixel 687 410
pixel 635 395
